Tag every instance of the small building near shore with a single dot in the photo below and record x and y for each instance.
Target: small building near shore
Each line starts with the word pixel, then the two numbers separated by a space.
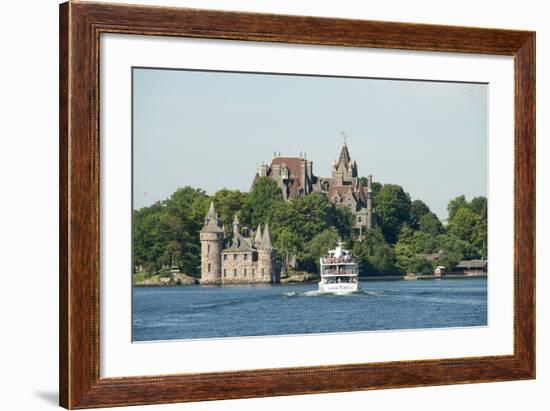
pixel 471 267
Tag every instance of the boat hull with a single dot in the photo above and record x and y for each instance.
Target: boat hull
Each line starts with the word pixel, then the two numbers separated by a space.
pixel 338 288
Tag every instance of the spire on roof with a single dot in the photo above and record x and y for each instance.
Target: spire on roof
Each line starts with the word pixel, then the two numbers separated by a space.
pixel 258 238
pixel 211 221
pixel 211 211
pixel 266 240
pixel 236 225
pixel 344 156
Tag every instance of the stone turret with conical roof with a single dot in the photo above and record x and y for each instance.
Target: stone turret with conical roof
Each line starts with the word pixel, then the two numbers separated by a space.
pixel 212 237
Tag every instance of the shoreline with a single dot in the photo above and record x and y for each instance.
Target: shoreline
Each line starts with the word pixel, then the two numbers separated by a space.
pixel 286 281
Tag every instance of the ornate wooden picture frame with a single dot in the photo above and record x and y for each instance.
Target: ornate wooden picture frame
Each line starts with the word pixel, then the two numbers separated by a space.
pixel 80 27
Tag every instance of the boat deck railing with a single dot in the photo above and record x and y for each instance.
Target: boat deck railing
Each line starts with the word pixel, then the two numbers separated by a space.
pixel 336 271
pixel 337 260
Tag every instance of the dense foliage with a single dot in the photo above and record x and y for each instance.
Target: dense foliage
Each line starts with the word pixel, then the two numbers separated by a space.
pixel 408 236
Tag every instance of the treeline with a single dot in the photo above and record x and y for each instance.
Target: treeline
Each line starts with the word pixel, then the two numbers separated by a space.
pixel 303 229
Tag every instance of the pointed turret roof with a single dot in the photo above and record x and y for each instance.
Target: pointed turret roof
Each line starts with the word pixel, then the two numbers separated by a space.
pixel 266 239
pixel 211 221
pixel 211 211
pixel 258 238
pixel 344 156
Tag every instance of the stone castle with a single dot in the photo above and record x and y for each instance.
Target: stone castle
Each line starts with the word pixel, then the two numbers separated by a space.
pixel 294 175
pixel 250 257
pixel 242 260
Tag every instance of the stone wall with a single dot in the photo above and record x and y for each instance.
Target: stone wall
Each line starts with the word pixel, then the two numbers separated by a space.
pixel 211 251
pixel 243 267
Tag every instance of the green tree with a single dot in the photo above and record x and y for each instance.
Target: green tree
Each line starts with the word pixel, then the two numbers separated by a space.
pixel 465 225
pixel 423 243
pixel 318 246
pixel 228 203
pixel 393 206
pixel 418 210
pixel 409 248
pixel 305 216
pixel 376 186
pixel 168 232
pixel 374 255
pixel 454 249
pixel 479 206
pixel 429 223
pixel 455 204
pixel 342 220
pixel 410 262
pixel 264 197
pixel 287 244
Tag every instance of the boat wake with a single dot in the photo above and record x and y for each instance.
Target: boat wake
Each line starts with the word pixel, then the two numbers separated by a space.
pixel 317 293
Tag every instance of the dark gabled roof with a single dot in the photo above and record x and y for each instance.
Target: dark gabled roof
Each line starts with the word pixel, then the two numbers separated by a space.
pixel 472 264
pixel 240 243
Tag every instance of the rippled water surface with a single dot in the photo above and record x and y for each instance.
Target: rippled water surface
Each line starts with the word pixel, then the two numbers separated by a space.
pixel 165 313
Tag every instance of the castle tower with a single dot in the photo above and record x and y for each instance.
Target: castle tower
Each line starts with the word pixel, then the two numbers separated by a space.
pixel 370 210
pixel 212 238
pixel 265 257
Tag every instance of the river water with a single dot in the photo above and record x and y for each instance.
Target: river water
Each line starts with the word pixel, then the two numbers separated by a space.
pixel 166 313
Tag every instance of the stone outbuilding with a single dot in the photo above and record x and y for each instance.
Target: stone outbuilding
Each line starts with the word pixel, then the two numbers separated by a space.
pixel 237 260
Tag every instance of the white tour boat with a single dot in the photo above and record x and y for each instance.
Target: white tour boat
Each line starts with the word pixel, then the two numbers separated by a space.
pixel 339 274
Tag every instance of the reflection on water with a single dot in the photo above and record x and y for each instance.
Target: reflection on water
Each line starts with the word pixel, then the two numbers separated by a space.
pixel 165 313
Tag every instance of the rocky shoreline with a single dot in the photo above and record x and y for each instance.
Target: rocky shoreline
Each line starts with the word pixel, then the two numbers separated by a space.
pixel 176 280
pixel 173 280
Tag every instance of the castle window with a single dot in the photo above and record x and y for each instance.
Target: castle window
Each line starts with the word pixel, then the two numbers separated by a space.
pixel 225 257
pixel 234 256
pixel 224 272
pixel 253 272
pixel 245 257
pixel 208 267
pixel 234 272
pixel 208 248
pixel 244 272
pixel 263 271
pixel 359 219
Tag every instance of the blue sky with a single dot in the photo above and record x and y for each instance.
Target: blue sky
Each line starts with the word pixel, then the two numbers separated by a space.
pixel 212 129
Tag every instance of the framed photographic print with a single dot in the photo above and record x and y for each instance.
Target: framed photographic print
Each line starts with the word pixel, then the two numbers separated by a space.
pixel 260 205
